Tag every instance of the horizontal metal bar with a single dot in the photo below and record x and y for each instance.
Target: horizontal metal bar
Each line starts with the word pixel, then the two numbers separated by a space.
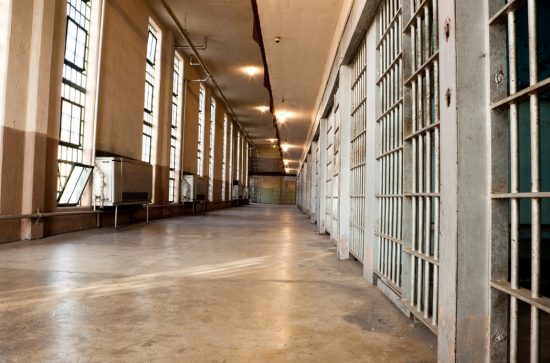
pixel 393 239
pixel 388 27
pixel 357 226
pixel 422 256
pixel 523 94
pixel 390 67
pixel 415 15
pixel 378 195
pixel 396 289
pixel 359 77
pixel 418 315
pixel 356 257
pixel 390 109
pixel 422 68
pixel 358 136
pixel 422 131
pixel 356 108
pixel 501 15
pixel 520 195
pixel 422 194
pixel 542 303
pixel 357 166
pixel 392 151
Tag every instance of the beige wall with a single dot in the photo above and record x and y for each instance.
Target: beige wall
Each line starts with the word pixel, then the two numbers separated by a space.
pixel 31 61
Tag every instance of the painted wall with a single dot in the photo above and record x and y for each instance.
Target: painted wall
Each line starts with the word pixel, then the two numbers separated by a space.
pixel 32 41
pixel 273 190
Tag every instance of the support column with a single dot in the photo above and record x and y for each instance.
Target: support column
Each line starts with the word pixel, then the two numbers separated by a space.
pixel 372 177
pixel 344 112
pixel 465 164
pixel 38 97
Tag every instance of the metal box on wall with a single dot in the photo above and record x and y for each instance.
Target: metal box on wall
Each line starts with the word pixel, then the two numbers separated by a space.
pixel 119 181
pixel 193 188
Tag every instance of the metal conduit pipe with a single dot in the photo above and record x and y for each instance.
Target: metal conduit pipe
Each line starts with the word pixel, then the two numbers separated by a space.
pixel 39 215
pixel 187 38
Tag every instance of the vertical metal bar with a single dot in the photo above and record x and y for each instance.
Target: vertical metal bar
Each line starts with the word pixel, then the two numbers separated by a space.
pixel 514 186
pixel 420 216
pixel 535 178
pixel 427 222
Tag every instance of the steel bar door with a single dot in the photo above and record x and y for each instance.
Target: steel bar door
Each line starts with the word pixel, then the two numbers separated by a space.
pixel 358 152
pixel 336 177
pixel 520 105
pixel 390 145
pixel 329 173
pixel 423 135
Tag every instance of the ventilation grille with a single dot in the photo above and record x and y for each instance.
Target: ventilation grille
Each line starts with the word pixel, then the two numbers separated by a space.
pixel 135 196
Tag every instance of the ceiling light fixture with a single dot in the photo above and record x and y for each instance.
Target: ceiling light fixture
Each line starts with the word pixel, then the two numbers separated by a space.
pixel 282 116
pixel 284 147
pixel 263 109
pixel 251 71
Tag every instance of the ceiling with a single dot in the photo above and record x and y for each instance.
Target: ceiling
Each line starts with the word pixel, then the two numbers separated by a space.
pixel 296 64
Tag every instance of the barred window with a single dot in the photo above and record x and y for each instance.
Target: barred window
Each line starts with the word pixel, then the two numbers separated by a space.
pixel 175 126
pixel 200 148
pixel 151 72
pixel 212 150
pixel 73 104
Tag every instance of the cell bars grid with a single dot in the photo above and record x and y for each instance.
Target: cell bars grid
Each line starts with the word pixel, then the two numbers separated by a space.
pixel 317 178
pixel 336 177
pixel 212 150
pixel 175 126
pixel 390 153
pixel 150 83
pixel 521 236
pixel 329 173
pixel 424 140
pixel 73 90
pixel 358 151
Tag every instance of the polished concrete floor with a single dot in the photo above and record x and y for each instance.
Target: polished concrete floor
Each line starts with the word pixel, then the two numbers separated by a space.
pixel 251 284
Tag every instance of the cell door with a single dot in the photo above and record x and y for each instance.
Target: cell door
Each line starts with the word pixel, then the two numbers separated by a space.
pixel 329 172
pixel 358 154
pixel 390 146
pixel 422 132
pixel 336 175
pixel 317 180
pixel 520 249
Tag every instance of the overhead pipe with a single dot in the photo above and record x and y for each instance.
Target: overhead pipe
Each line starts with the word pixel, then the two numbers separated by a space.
pixel 187 38
pixel 201 47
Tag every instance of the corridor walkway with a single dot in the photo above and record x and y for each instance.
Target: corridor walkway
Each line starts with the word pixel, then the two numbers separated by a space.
pixel 251 284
